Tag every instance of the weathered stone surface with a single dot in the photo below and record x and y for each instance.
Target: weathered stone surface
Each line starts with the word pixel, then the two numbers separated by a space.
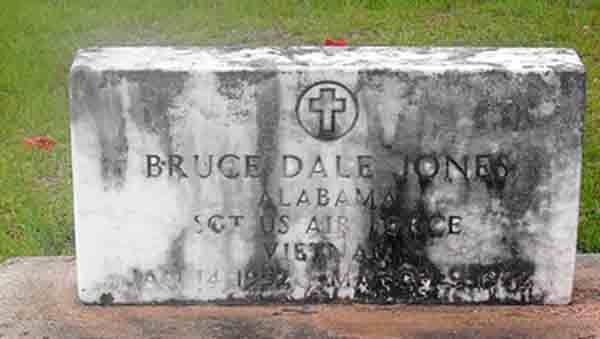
pixel 38 300
pixel 377 175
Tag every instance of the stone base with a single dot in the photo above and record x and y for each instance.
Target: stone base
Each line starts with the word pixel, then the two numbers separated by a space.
pixel 38 300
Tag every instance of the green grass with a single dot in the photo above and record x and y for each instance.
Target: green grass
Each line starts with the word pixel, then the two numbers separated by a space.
pixel 38 39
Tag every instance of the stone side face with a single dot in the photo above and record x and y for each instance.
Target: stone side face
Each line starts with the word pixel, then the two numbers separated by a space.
pixel 378 175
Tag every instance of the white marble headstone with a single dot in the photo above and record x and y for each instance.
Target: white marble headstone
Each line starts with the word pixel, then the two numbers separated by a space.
pixel 374 174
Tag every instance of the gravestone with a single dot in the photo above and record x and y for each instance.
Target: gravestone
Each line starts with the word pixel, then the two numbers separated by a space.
pixel 371 175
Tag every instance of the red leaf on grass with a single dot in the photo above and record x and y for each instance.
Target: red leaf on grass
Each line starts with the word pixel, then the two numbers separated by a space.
pixel 42 142
pixel 332 42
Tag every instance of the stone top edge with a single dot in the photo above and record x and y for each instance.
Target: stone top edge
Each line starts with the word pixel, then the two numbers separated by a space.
pixel 425 59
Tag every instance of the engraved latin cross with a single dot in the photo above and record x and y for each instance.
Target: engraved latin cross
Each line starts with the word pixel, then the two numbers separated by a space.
pixel 327 106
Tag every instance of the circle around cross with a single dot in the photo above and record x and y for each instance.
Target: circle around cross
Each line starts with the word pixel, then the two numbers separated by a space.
pixel 327 110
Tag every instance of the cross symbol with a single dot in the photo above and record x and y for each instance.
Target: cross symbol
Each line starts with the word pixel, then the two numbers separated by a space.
pixel 327 106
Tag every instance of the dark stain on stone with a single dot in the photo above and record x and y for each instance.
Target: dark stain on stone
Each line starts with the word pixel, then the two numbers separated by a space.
pixel 572 105
pixel 501 170
pixel 152 95
pixel 373 81
pixel 511 102
pixel 266 277
pixel 98 97
pixel 323 270
pixel 395 267
pixel 531 169
pixel 570 82
pixel 165 277
pixel 520 195
pixel 512 276
pixel 233 83
pixel 175 265
pixel 106 299
pixel 394 264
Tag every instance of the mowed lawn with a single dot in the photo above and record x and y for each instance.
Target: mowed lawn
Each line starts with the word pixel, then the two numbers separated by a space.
pixel 38 40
